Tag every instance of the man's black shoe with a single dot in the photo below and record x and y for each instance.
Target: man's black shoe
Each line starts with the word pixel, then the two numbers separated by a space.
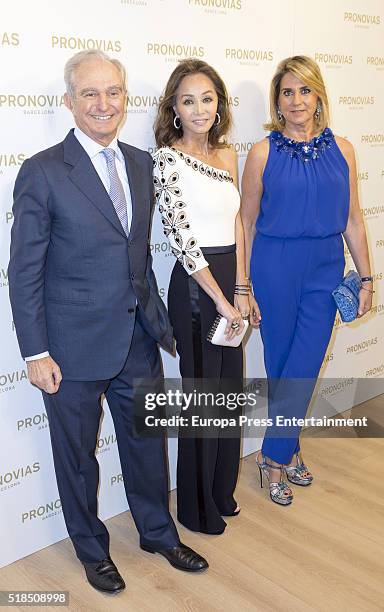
pixel 182 557
pixel 104 576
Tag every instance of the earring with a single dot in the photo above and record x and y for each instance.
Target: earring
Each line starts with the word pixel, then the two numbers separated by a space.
pixel 279 115
pixel 318 110
pixel 218 119
pixel 177 126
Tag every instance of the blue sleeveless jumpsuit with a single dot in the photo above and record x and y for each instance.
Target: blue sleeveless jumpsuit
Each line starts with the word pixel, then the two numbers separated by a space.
pixel 297 260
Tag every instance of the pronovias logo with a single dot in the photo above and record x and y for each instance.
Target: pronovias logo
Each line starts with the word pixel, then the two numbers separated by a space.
pixel 372 212
pixel 43 512
pixel 357 102
pixel 377 310
pixel 76 43
pixel 9 161
pixel 32 103
pixel 3 277
pixel 375 60
pixel 333 59
pixel 141 104
pixel 104 443
pixel 376 371
pixel 9 380
pixel 249 56
pixel 175 51
pixel 242 148
pixel 336 387
pixel 9 39
pixel 362 19
pixel 11 478
pixel 37 421
pixel 375 140
pixel 361 347
pixel 116 479
pixel 160 247
pixel 224 5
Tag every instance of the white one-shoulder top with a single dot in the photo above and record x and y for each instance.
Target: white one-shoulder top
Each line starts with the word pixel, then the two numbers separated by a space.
pixel 198 204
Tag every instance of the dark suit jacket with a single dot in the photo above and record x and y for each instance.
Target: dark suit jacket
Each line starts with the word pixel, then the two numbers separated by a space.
pixel 74 276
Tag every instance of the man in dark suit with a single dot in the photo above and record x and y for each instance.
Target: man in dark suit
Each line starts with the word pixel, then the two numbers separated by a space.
pixel 88 315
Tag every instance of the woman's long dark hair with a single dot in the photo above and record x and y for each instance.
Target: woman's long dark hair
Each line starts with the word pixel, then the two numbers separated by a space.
pixel 165 132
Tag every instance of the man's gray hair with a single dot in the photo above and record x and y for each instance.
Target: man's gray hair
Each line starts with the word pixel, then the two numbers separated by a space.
pixel 83 56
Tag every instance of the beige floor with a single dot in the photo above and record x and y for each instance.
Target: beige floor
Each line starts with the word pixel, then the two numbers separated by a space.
pixel 325 552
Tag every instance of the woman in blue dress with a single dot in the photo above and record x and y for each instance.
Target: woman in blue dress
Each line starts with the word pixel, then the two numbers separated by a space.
pixel 299 197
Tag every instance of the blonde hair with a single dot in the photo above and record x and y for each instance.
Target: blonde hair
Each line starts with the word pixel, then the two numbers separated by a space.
pixel 308 71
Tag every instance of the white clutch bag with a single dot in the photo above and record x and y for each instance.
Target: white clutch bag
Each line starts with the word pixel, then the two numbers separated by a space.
pixel 216 333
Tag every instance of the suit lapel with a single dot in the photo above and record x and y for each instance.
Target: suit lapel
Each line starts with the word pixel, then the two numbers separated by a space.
pixel 86 179
pixel 135 178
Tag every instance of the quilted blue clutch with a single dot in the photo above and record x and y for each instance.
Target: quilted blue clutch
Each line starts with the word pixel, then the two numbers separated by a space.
pixel 346 296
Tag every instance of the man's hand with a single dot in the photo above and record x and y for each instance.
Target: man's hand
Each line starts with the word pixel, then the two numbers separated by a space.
pixel 45 374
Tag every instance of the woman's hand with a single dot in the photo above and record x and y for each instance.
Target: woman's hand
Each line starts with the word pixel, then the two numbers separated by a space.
pixel 254 311
pixel 242 304
pixel 232 315
pixel 365 299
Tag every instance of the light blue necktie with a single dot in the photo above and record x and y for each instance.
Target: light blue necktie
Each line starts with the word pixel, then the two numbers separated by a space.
pixel 116 191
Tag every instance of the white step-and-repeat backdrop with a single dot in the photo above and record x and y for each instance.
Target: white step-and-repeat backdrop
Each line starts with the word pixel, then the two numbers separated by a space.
pixel 244 40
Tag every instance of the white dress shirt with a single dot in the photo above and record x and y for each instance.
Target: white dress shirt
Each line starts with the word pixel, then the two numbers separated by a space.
pixel 94 150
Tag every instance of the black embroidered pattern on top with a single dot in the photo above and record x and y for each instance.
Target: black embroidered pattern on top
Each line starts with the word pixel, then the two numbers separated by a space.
pixel 210 171
pixel 173 217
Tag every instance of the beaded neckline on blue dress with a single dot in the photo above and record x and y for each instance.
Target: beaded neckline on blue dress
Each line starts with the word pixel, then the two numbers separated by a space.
pixel 305 151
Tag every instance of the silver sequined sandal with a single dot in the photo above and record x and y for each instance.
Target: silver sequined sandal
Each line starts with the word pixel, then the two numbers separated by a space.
pixel 299 474
pixel 277 490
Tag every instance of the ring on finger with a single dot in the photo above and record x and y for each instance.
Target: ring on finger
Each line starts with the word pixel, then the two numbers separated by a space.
pixel 235 325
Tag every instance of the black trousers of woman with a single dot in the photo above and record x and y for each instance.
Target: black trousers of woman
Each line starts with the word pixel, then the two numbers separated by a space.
pixel 207 466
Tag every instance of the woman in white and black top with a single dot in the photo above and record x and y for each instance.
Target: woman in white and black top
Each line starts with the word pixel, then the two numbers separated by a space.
pixel 195 176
